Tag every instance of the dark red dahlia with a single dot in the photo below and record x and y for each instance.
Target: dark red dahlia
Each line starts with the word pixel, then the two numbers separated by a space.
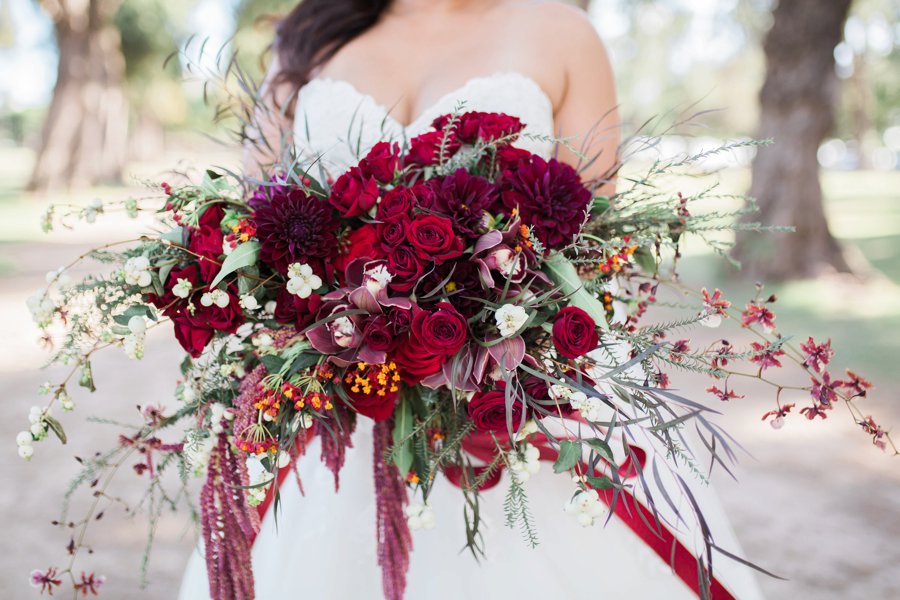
pixel 466 199
pixel 549 196
pixel 295 227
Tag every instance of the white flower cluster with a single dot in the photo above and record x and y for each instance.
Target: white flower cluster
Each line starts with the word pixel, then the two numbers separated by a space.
pixel 302 281
pixel 586 507
pixel 522 468
pixel 510 319
pixel 218 297
pixel 257 494
pixel 217 414
pixel 198 447
pixel 249 302
pixel 420 516
pixel 137 271
pixel 92 210
pixel 182 288
pixel 36 433
pixel 591 408
pixel 134 342
pixel 42 308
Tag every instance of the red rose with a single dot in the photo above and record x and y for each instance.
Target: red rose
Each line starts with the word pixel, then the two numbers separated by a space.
pixel 425 149
pixel 433 238
pixel 194 331
pixel 372 391
pixel 169 303
pixel 400 319
pixel 574 332
pixel 206 241
pixel 392 233
pixel 487 127
pixel 354 193
pixel 415 362
pixel 442 332
pixel 192 339
pixel 378 334
pixel 398 202
pixel 508 157
pixel 292 309
pixel 406 268
pixel 361 243
pixel 381 162
pixel 488 410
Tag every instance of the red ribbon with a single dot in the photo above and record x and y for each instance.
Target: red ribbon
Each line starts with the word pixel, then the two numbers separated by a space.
pixel 630 510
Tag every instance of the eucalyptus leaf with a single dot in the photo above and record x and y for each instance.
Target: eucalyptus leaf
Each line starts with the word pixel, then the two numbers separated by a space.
pixel 243 256
pixel 601 448
pixel 563 273
pixel 569 455
pixel 403 427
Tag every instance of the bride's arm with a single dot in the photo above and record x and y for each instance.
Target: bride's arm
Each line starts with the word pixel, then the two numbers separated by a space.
pixel 587 111
pixel 269 133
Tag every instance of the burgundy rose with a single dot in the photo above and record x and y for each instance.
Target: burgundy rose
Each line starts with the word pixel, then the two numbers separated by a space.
pixel 433 238
pixel 398 202
pixel 574 332
pixel 206 241
pixel 354 193
pixel 392 233
pixel 195 330
pixel 508 157
pixel 442 331
pixel 415 362
pixel 488 410
pixel 466 199
pixel 169 303
pixel 549 196
pixel 400 320
pixel 474 126
pixel 294 227
pixel 292 309
pixel 406 267
pixel 378 334
pixel 425 150
pixel 381 162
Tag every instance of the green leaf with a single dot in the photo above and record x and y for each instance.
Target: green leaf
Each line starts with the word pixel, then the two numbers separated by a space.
pixel 272 363
pixel 559 269
pixel 164 272
pixel 645 259
pixel 601 448
pixel 403 428
pixel 138 310
pixel 569 455
pixel 87 377
pixel 600 205
pixel 56 427
pixel 600 483
pixel 243 256
pixel 175 235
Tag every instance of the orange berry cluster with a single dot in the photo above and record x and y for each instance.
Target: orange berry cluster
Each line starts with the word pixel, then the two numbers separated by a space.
pixel 261 445
pixel 373 379
pixel 524 238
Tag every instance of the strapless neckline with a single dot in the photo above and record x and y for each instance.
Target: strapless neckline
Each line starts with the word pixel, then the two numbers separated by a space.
pixel 457 92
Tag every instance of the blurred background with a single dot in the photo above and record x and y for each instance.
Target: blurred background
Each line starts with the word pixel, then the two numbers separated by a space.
pixel 90 109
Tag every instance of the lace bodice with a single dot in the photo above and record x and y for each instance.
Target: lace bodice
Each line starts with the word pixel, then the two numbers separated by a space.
pixel 336 124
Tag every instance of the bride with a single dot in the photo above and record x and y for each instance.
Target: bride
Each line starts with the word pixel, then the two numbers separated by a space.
pixel 346 74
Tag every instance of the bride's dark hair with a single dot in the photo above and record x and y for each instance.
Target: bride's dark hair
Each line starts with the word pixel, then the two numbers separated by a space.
pixel 315 30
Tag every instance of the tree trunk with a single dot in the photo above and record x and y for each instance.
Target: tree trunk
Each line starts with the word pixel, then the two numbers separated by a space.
pixel 84 137
pixel 797 101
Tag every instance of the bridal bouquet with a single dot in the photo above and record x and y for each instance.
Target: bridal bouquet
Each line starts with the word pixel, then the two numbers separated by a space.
pixel 477 302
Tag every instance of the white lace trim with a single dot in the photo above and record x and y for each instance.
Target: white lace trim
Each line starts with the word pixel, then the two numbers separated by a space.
pixel 336 123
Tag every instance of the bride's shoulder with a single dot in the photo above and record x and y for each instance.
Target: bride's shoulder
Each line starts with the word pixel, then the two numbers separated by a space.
pixel 551 18
pixel 560 30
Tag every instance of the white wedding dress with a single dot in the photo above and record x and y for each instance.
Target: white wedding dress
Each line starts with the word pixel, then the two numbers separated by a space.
pixel 324 544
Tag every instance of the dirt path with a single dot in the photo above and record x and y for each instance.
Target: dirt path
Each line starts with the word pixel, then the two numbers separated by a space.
pixel 816 504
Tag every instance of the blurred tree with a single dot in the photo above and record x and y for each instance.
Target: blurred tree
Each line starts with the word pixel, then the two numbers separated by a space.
pixel 85 132
pixel 797 103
